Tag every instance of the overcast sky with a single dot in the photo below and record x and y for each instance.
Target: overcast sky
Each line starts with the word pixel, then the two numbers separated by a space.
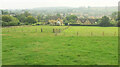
pixel 23 4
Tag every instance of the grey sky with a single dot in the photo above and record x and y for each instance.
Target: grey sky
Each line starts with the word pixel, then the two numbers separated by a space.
pixel 22 4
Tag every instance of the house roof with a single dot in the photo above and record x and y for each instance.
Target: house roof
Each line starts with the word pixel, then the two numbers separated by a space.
pixel 90 20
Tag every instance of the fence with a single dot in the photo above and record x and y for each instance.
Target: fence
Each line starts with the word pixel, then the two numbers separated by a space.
pixel 59 31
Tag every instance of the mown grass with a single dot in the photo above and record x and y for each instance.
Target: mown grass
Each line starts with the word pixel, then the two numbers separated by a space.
pixel 26 46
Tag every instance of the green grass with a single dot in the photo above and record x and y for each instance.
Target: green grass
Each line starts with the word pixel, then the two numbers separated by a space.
pixel 26 46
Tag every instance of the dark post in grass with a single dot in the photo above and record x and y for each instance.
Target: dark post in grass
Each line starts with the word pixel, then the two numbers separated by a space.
pixel 56 31
pixel 91 33
pixel 77 33
pixel 59 30
pixel 41 30
pixel 53 30
pixel 103 33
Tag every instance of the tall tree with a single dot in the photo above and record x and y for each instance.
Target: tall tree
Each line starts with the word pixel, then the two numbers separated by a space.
pixel 26 13
pixel 105 21
pixel 31 19
pixel 70 19
pixel 114 15
pixel 9 21
pixel 21 17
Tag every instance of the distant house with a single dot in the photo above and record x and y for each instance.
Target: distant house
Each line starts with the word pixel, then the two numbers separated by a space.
pixel 58 22
pixel 87 21
pixel 93 21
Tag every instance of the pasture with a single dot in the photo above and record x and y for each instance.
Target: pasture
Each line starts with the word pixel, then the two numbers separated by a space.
pixel 73 45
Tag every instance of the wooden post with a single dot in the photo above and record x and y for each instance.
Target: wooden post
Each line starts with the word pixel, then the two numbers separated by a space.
pixel 91 33
pixel 103 33
pixel 77 33
pixel 53 30
pixel 41 30
pixel 59 30
pixel 56 31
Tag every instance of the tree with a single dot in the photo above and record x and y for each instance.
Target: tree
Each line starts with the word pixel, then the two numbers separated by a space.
pixel 114 15
pixel 9 21
pixel 105 21
pixel 6 18
pixel 58 16
pixel 70 19
pixel 26 13
pixel 31 19
pixel 39 18
pixel 21 17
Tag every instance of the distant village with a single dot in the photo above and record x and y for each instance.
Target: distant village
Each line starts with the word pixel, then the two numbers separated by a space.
pixel 59 19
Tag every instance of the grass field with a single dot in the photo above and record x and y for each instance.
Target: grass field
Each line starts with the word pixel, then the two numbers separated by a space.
pixel 75 45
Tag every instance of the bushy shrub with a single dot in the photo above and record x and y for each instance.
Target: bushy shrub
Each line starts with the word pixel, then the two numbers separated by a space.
pixel 114 23
pixel 4 23
pixel 26 23
pixel 9 21
pixel 31 20
pixel 6 18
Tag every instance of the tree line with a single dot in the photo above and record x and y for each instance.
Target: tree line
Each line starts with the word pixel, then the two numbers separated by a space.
pixel 27 18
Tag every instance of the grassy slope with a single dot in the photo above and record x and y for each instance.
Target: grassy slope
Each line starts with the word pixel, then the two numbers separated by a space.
pixel 35 48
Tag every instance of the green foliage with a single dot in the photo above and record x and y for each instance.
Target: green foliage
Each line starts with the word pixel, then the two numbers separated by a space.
pixel 21 17
pixel 119 23
pixel 9 21
pixel 105 21
pixel 26 13
pixel 114 15
pixel 39 17
pixel 119 15
pixel 6 18
pixel 70 19
pixel 58 16
pixel 113 22
pixel 31 19
pixel 5 23
pixel 26 23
